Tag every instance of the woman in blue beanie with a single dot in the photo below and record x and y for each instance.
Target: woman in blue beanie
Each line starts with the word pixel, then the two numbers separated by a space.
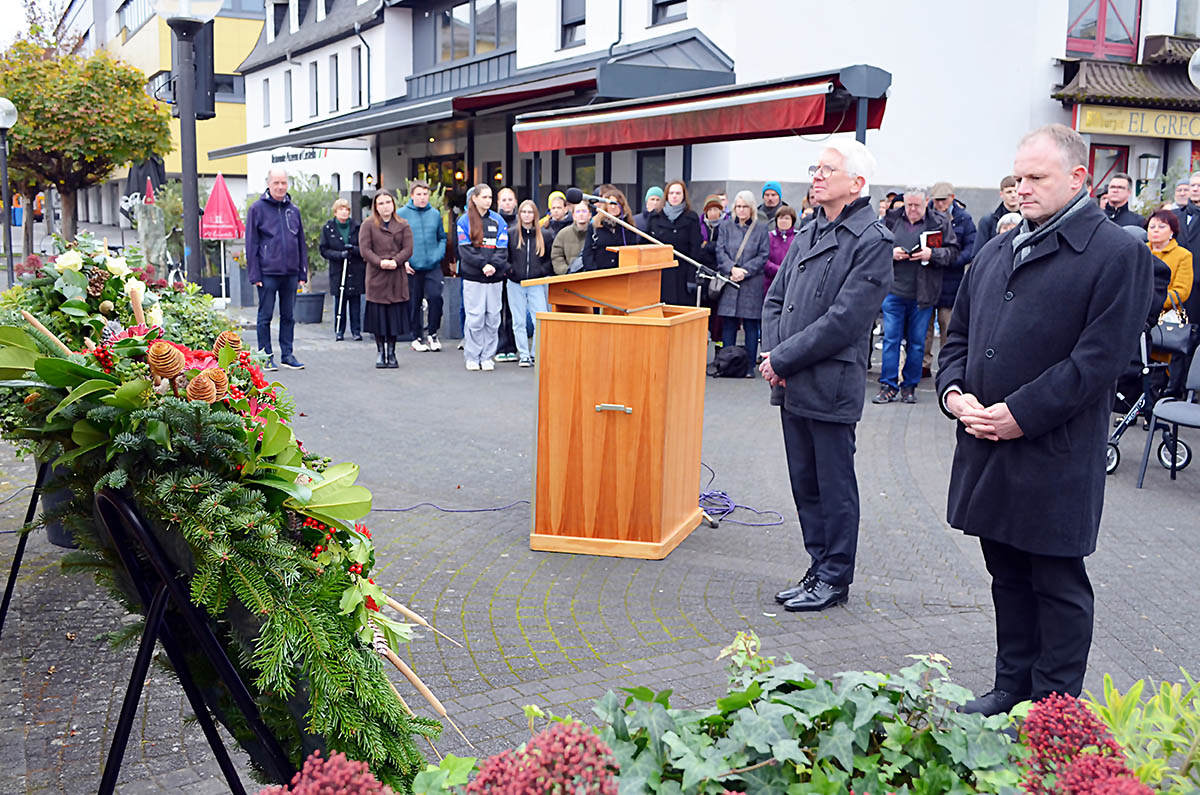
pixel 652 204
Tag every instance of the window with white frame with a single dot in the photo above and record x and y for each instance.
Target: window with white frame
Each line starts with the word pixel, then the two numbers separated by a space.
pixel 287 96
pixel 314 99
pixel 333 83
pixel 574 23
pixel 668 11
pixel 356 96
pixel 266 102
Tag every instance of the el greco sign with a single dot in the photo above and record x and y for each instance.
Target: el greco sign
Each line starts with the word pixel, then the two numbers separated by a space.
pixel 1141 122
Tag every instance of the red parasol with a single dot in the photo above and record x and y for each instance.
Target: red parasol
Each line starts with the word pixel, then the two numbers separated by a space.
pixel 148 198
pixel 221 220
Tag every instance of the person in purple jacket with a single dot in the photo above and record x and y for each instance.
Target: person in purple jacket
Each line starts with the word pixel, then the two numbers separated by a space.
pixel 780 238
pixel 277 263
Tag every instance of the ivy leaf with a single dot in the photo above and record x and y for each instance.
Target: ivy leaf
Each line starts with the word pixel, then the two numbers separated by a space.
pixel 458 769
pixel 656 721
pixel 638 694
pixel 814 701
pixel 695 768
pixel 760 731
pixel 795 673
pixel 789 751
pixel 739 698
pixel 838 744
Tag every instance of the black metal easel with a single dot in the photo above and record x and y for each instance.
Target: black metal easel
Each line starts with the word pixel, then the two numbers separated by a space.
pixel 43 468
pixel 158 583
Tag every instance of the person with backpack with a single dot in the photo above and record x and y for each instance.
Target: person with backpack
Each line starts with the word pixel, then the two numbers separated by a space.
pixel 742 251
pixel 566 255
pixel 424 268
pixel 483 264
pixel 528 258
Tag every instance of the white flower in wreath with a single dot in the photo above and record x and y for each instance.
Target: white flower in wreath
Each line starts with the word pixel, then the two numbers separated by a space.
pixel 69 261
pixel 134 285
pixel 154 317
pixel 117 267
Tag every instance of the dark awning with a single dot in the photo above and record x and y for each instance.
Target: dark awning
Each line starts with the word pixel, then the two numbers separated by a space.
pixel 582 80
pixel 763 110
pixel 1163 86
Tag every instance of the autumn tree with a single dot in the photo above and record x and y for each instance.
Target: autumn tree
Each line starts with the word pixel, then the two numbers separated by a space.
pixel 80 119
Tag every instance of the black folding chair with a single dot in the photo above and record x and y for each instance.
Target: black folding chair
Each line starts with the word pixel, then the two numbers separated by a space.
pixel 159 583
pixel 1174 412
pixel 43 469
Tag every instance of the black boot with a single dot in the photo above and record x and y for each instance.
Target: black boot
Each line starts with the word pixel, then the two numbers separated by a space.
pixel 380 359
pixel 390 349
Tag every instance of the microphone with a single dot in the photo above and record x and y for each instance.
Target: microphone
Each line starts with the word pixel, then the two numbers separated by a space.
pixel 575 196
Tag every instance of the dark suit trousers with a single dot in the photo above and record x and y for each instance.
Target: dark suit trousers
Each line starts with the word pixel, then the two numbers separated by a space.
pixel 1044 611
pixel 820 458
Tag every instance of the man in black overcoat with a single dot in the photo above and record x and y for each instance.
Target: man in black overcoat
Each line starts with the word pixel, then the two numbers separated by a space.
pixel 1047 317
pixel 816 315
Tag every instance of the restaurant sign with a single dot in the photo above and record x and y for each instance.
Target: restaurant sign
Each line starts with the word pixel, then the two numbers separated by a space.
pixel 1142 122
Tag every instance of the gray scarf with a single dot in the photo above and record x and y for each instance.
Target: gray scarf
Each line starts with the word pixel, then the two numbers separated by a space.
pixel 1029 236
pixel 673 211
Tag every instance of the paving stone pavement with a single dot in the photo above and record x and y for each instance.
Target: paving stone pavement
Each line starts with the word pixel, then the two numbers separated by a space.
pixel 558 630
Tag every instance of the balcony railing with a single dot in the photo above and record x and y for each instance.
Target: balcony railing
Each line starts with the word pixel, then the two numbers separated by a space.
pixel 461 76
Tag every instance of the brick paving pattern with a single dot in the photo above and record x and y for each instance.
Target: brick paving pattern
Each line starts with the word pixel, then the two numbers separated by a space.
pixel 558 630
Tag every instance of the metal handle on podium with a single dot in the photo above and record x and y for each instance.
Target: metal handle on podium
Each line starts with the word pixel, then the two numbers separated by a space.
pixel 614 407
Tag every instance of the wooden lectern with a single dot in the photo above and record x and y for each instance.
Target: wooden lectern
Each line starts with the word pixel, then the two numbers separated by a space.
pixel 620 411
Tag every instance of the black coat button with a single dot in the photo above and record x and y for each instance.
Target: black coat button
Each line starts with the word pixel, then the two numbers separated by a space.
pixel 800 267
pixel 1008 296
pixel 791 307
pixel 989 353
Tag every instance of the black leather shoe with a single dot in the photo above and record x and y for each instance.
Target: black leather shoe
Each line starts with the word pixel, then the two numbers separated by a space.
pixel 380 358
pixel 390 351
pixel 339 337
pixel 993 703
pixel 791 593
pixel 819 596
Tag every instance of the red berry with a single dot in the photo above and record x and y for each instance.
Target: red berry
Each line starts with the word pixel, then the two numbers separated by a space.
pixel 318 548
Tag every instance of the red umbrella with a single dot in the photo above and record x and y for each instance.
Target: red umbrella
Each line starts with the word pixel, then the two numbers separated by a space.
pixel 148 198
pixel 221 220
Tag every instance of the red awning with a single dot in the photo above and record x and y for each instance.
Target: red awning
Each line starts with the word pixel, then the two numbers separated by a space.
pixel 697 118
pixel 700 117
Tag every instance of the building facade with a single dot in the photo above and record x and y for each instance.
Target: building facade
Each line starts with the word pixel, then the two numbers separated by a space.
pixel 369 93
pixel 131 31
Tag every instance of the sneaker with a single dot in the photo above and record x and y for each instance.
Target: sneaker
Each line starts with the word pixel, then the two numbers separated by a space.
pixel 908 395
pixel 434 343
pixel 419 345
pixel 291 362
pixel 525 363
pixel 886 394
pixel 460 345
pixel 506 357
pixel 488 365
pixel 270 366
pixel 473 366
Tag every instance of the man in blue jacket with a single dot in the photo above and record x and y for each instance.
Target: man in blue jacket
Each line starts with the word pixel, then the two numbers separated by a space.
pixel 964 229
pixel 277 263
pixel 424 268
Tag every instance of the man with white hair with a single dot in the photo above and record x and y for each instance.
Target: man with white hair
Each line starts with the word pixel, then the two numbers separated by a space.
pixel 816 315
pixel 276 263
pixel 1028 372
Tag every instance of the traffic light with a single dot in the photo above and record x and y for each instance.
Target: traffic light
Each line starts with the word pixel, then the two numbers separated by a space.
pixel 205 77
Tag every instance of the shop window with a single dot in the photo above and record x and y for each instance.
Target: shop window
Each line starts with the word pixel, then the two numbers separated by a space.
pixel 494 174
pixel 450 171
pixel 583 172
pixel 651 173
pixel 1104 160
pixel 1106 29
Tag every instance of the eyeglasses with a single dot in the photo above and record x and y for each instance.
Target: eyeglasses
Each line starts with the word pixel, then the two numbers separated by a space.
pixel 825 171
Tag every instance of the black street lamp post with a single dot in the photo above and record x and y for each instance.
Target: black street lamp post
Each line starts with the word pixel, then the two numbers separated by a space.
pixel 186 18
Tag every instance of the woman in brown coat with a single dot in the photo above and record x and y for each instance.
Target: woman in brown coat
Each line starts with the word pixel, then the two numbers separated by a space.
pixel 386 243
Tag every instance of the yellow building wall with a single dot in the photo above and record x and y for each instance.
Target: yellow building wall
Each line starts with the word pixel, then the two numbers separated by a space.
pixel 149 49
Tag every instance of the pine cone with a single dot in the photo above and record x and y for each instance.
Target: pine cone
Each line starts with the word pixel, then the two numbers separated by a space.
pixel 220 381
pixel 165 360
pixel 227 339
pixel 111 329
pixel 96 281
pixel 202 388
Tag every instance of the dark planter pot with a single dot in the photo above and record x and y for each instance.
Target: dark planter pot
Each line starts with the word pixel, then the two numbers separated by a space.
pixel 211 285
pixel 56 534
pixel 310 307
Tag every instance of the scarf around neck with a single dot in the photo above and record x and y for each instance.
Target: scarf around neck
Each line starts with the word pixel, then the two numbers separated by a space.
pixel 673 211
pixel 1029 236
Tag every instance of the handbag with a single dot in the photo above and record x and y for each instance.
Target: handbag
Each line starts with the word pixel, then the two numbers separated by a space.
pixel 1174 334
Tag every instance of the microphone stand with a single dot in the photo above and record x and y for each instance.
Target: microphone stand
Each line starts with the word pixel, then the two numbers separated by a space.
pixel 702 271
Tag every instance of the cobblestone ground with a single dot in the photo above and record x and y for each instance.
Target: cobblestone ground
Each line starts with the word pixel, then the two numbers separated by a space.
pixel 558 630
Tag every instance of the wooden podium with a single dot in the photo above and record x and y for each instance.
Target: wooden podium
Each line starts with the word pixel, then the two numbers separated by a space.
pixel 620 412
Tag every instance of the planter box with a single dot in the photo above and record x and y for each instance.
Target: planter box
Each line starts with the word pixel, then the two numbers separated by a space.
pixel 310 307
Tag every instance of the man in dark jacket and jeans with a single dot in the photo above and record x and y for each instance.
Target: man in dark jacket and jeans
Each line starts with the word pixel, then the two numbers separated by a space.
pixel 1029 373
pixel 277 263
pixel 964 229
pixel 916 287
pixel 817 312
pixel 424 268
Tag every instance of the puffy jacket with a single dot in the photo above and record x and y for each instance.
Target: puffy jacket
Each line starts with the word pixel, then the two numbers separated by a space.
pixel 429 236
pixel 523 260
pixel 275 240
pixel 568 244
pixel 964 230
pixel 492 251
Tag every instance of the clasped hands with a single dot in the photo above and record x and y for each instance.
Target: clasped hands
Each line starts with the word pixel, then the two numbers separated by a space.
pixel 769 373
pixel 387 264
pixel 991 423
